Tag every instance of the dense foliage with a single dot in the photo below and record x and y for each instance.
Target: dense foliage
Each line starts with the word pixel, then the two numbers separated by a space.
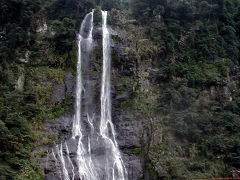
pixel 196 93
pixel 16 134
pixel 196 77
pixel 25 72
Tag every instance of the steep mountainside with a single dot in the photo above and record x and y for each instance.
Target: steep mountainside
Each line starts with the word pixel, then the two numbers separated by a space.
pixel 175 84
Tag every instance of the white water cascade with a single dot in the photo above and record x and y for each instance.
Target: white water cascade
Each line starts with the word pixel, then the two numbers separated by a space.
pixel 92 153
pixel 117 169
pixel 85 165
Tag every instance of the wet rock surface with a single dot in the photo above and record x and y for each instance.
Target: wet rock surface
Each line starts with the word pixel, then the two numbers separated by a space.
pixel 130 128
pixel 129 125
pixel 134 166
pixel 61 90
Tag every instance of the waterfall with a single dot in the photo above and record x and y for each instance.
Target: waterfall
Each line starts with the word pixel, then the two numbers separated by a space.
pixel 86 168
pixel 92 153
pixel 60 154
pixel 83 37
pixel 117 171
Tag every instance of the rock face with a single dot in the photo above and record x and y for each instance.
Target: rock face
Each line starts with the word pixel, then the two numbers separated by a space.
pixel 134 166
pixel 42 28
pixel 129 125
pixel 130 128
pixel 54 131
pixel 25 59
pixel 70 83
pixel 67 86
pixel 20 83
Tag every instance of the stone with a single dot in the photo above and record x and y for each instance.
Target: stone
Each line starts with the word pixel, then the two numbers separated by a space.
pixel 70 82
pixel 20 83
pixel 26 57
pixel 130 128
pixel 60 91
pixel 42 28
pixel 133 164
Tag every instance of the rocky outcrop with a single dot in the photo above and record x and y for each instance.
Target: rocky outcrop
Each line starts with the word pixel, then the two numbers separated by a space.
pixel 20 83
pixel 129 125
pixel 134 166
pixel 53 132
pixel 25 59
pixel 42 28
pixel 130 128
pixel 60 90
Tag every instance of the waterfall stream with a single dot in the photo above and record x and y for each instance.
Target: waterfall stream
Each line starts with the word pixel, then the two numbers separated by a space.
pixel 92 153
pixel 86 168
pixel 117 169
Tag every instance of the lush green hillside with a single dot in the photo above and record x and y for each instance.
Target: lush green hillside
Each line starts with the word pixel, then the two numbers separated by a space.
pixel 197 83
pixel 193 99
pixel 28 62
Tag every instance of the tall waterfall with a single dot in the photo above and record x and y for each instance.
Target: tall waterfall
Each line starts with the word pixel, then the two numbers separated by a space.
pixel 92 153
pixel 85 165
pixel 116 170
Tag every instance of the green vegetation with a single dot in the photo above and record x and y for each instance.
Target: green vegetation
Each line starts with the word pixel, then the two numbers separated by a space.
pixel 191 47
pixel 197 100
pixel 46 56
